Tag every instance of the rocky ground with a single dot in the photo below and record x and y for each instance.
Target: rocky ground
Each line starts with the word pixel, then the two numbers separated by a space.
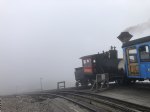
pixel 30 104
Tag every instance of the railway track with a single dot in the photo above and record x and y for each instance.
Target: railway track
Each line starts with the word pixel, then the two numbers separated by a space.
pixel 107 101
pixel 87 106
pixel 95 102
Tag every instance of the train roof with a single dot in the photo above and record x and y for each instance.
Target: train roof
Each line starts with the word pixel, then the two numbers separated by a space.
pixel 137 41
pixel 88 56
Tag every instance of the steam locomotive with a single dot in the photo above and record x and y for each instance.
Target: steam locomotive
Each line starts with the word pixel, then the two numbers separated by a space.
pixel 135 64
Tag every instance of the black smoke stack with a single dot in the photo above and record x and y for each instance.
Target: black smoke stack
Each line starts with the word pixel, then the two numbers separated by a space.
pixel 124 37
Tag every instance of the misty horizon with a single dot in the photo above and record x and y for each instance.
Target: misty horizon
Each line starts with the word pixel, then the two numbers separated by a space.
pixel 45 39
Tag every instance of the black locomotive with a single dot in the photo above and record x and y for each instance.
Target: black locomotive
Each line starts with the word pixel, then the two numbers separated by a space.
pixel 106 62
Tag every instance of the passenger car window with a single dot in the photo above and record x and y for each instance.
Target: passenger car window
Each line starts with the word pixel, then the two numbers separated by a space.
pixel 132 51
pixel 132 55
pixel 132 59
pixel 144 53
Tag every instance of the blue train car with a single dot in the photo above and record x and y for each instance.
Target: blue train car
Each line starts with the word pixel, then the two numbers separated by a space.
pixel 137 59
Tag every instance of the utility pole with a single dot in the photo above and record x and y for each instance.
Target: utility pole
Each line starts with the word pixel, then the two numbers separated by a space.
pixel 41 83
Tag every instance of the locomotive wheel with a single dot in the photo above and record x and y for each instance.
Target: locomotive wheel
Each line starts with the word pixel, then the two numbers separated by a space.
pixel 84 84
pixel 92 82
pixel 77 84
pixel 133 81
pixel 120 81
pixel 128 81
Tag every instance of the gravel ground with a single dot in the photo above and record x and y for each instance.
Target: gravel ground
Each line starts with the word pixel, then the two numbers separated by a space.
pixel 29 104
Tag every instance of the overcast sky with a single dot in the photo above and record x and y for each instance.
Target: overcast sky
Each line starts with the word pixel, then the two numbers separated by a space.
pixel 45 38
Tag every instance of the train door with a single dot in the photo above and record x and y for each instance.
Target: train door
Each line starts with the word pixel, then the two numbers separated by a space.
pixel 132 62
pixel 144 56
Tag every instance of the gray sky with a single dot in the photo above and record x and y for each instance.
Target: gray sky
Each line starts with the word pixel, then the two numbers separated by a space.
pixel 45 38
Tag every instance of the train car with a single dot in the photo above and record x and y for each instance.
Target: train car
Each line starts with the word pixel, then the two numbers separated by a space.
pixel 137 59
pixel 106 62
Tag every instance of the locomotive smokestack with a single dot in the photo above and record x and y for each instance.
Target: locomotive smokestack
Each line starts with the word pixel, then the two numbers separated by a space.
pixel 124 37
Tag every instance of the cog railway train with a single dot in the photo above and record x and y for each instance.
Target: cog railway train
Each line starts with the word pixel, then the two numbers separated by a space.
pixel 135 64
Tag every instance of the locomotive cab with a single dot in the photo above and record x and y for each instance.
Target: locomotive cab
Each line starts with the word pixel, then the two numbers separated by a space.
pixel 85 74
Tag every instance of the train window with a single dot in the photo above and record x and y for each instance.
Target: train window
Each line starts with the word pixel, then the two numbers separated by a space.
pixel 132 59
pixel 94 61
pixel 132 55
pixel 86 62
pixel 132 51
pixel 144 53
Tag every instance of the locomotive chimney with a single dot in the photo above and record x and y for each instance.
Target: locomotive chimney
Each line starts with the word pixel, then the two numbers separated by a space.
pixel 124 37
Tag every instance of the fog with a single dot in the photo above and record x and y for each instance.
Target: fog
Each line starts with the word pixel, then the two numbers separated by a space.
pixel 45 38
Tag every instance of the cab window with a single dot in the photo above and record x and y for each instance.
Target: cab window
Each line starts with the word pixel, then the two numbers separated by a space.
pixel 144 53
pixel 87 62
pixel 94 61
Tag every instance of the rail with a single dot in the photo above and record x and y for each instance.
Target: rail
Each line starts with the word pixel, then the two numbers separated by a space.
pixel 85 105
pixel 116 103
